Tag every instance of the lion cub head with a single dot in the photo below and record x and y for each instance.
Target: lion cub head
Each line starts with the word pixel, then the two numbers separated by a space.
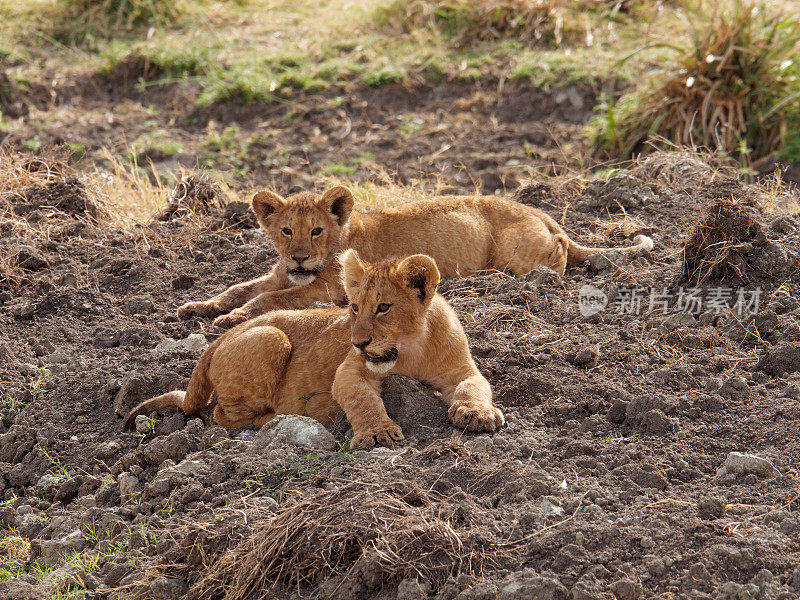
pixel 388 302
pixel 305 228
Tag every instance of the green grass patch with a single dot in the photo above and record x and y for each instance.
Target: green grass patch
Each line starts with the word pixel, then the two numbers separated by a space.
pixel 734 86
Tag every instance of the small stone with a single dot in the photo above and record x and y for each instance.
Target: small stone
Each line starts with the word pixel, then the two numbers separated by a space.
pixel 647 542
pixel 296 430
pixel 139 305
pixel 625 589
pixel 738 463
pixel 189 467
pixel 617 412
pixel 711 508
pixel 610 259
pixel 128 485
pixel 108 449
pixel 586 357
pixel 548 509
pixel 144 424
pixel 167 588
pixel 480 444
pixel 194 343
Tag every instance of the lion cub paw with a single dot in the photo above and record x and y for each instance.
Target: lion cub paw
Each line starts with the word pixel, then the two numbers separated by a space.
pixel 385 434
pixel 232 319
pixel 201 309
pixel 476 417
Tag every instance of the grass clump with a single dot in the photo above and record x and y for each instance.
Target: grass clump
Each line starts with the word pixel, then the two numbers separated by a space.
pixel 83 14
pixel 465 22
pixel 732 87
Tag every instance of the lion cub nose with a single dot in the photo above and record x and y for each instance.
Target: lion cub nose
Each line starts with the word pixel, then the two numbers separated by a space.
pixel 299 259
pixel 362 345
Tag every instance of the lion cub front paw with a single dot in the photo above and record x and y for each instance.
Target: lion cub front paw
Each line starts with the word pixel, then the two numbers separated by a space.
pixel 201 309
pixel 232 319
pixel 476 417
pixel 385 434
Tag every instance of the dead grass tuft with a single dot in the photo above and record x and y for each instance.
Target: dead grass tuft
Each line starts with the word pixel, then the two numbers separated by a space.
pixel 193 196
pixel 360 526
pixel 616 230
pixel 732 87
pixel 713 251
pixel 468 21
pixel 36 189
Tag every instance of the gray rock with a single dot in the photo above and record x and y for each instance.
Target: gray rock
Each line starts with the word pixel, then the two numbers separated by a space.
pixel 194 343
pixel 167 588
pixel 711 508
pixel 527 585
pixel 609 259
pixel 133 390
pixel 543 276
pixel 189 467
pixel 108 449
pixel 293 429
pixel 625 589
pixel 129 485
pixel 738 463
pixel 139 305
pixel 144 424
pixel 548 509
pixel 53 551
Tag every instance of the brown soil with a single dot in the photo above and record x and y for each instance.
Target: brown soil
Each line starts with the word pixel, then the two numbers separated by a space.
pixel 603 484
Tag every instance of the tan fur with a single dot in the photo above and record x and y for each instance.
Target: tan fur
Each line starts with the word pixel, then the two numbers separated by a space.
pixel 462 234
pixel 286 361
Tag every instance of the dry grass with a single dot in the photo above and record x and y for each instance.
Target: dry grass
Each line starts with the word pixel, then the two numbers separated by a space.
pixel 730 87
pixel 361 525
pixel 465 22
pixel 712 250
pixel 616 230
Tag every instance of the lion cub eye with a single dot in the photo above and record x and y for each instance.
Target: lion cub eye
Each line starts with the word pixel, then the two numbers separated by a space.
pixel 286 231
pixel 316 231
pixel 382 308
pixel 354 307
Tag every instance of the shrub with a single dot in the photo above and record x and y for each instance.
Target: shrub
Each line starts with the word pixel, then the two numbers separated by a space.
pixel 733 87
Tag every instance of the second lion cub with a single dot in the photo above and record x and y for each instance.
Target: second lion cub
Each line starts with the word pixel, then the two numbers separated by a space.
pixel 315 361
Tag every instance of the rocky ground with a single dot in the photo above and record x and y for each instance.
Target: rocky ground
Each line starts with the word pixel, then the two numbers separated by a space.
pixel 647 453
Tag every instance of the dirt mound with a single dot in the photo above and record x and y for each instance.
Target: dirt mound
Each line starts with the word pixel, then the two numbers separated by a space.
pixel 729 245
pixel 42 186
pixel 194 195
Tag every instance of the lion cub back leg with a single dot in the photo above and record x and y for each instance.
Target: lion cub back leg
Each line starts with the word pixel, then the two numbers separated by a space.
pixel 523 246
pixel 247 371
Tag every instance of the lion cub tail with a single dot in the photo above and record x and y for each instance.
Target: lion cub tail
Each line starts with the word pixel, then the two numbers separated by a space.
pixel 193 400
pixel 576 253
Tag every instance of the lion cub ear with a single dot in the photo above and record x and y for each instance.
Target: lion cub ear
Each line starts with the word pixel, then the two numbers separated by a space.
pixel 420 273
pixel 266 204
pixel 353 269
pixel 338 201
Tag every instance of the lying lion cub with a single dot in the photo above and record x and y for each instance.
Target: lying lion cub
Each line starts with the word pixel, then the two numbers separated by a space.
pixel 462 234
pixel 312 362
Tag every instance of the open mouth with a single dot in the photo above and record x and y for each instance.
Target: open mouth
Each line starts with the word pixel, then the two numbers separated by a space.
pixel 388 356
pixel 301 272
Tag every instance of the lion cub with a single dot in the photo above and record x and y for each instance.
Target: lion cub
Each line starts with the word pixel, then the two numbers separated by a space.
pixel 314 361
pixel 462 234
